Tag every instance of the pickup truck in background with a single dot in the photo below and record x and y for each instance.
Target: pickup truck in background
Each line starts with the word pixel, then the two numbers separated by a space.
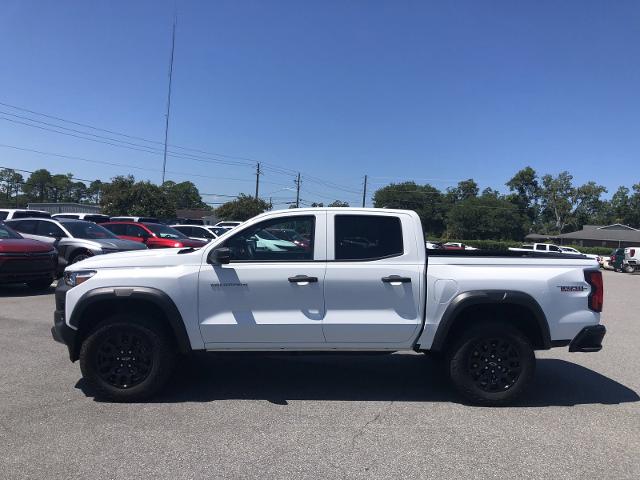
pixel 551 248
pixel 631 259
pixel 364 282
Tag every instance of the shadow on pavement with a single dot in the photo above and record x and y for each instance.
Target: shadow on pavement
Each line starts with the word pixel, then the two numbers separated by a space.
pixel 279 378
pixel 21 290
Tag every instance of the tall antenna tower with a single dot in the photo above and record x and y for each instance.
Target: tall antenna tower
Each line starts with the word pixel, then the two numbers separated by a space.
pixel 166 125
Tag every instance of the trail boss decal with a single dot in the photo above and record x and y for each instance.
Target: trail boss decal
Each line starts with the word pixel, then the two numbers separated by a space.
pixel 571 288
pixel 216 286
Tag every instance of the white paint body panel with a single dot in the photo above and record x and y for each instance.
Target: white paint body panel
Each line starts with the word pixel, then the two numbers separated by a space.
pixel 349 308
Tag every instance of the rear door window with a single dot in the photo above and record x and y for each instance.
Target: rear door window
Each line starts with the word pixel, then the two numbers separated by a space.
pixel 117 228
pixel 4 215
pixel 25 226
pixel 367 237
pixel 49 229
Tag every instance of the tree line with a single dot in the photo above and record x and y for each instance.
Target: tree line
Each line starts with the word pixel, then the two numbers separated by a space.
pixel 123 195
pixel 545 204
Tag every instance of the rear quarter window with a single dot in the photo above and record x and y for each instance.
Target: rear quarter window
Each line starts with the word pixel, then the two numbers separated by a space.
pixel 367 237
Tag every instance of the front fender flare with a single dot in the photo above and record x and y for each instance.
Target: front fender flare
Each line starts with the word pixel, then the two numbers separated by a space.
pixel 149 294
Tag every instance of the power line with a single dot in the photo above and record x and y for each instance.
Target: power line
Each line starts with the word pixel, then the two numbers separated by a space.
pixel 247 160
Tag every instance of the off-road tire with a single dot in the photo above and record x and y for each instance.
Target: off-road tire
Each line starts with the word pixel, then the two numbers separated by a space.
pixel 470 367
pixel 127 358
pixel 628 269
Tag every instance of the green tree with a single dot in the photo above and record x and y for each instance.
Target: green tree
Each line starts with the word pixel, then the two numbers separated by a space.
pixel 94 192
pixel 589 208
pixel 242 208
pixel 117 196
pixel 487 217
pixel 525 190
pixel 10 183
pixel 465 189
pixel 557 197
pixel 183 195
pixel 425 200
pixel 38 186
pixel 621 206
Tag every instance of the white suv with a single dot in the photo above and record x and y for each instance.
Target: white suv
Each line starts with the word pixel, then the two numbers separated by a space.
pixel 11 213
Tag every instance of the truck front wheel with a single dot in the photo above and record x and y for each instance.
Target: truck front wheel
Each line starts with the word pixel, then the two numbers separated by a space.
pixel 491 364
pixel 127 359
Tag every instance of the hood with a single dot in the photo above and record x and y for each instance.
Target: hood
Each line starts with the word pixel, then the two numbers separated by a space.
pixel 119 244
pixel 190 242
pixel 156 257
pixel 20 245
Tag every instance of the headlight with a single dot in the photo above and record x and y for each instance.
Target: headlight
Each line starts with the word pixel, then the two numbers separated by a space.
pixel 73 279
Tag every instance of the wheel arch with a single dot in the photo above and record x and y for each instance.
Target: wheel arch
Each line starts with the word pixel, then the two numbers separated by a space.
pixel 98 304
pixel 466 307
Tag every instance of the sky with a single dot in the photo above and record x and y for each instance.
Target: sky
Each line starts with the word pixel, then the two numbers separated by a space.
pixel 434 92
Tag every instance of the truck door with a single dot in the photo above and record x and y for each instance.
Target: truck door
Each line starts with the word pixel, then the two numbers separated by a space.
pixel 271 294
pixel 374 280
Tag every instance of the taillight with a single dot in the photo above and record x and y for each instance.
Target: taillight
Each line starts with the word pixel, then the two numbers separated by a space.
pixel 596 297
pixel 632 252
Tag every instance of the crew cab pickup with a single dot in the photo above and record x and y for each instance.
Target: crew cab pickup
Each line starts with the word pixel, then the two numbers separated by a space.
pixel 363 282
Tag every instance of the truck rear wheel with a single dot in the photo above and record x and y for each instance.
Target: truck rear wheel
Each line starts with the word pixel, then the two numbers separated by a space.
pixel 491 364
pixel 127 359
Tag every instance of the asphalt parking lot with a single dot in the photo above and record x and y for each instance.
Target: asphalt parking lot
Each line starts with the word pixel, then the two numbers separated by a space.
pixel 310 416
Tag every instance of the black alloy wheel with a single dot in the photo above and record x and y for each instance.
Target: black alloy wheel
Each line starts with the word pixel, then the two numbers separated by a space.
pixel 491 363
pixel 494 364
pixel 124 358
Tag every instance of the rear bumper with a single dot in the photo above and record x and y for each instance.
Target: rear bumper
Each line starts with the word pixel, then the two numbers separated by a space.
pixel 589 339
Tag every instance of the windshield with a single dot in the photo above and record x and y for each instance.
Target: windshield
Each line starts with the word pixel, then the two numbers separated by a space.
pixel 164 231
pixel 6 233
pixel 87 230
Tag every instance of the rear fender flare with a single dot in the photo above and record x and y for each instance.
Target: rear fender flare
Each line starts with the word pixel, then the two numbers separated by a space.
pixel 487 297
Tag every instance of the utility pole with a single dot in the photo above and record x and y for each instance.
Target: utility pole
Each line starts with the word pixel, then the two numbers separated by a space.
pixel 364 192
pixel 298 191
pixel 166 125
pixel 257 179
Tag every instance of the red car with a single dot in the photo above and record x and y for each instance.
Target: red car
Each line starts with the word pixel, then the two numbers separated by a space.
pixel 26 261
pixel 153 235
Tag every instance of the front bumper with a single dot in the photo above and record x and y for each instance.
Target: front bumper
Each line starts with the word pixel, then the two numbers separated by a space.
pixel 60 331
pixel 589 339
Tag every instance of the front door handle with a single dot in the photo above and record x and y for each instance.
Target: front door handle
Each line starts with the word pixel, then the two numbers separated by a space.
pixel 303 279
pixel 396 279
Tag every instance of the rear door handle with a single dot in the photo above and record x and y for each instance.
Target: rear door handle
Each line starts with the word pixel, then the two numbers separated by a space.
pixel 393 279
pixel 303 279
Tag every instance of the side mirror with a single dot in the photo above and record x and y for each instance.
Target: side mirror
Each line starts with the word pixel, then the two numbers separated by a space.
pixel 219 256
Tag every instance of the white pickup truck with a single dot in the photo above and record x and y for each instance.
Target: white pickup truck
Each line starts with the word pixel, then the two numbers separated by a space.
pixel 363 281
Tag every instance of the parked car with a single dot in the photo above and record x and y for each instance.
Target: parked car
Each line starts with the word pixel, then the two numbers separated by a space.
pixel 617 259
pixel 573 251
pixel 197 232
pixel 12 213
pixel 434 245
pixel 90 217
pixel 484 314
pixel 537 247
pixel 290 235
pixel 135 219
pixel 153 235
pixel 463 246
pixel 75 240
pixel 227 223
pixel 26 261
